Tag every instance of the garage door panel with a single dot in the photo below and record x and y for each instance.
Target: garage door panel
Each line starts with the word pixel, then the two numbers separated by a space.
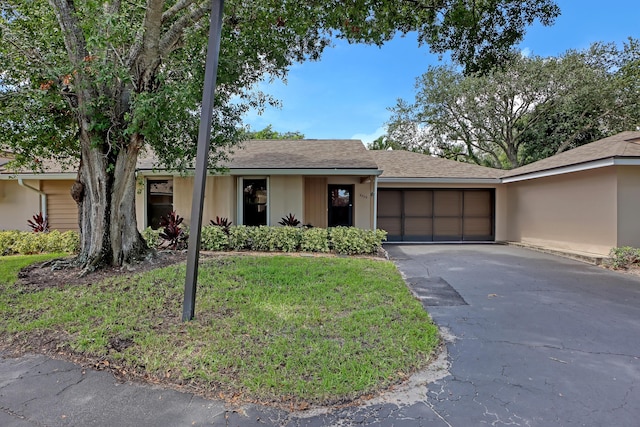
pixel 418 229
pixel 418 203
pixel 447 229
pixel 390 203
pixel 477 228
pixel 393 227
pixel 447 203
pixel 477 203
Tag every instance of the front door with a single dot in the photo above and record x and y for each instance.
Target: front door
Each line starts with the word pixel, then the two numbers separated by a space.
pixel 254 201
pixel 340 205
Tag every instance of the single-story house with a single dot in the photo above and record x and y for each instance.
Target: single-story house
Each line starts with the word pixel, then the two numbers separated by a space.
pixel 586 199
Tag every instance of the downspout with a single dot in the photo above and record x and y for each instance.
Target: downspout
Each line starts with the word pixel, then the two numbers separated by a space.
pixel 375 202
pixel 43 196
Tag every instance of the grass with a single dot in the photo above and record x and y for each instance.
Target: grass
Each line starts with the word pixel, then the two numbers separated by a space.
pixel 271 329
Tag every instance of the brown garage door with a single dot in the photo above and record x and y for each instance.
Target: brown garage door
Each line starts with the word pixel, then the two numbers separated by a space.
pixel 423 215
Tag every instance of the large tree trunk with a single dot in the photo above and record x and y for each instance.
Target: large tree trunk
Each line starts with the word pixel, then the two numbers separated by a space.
pixel 106 204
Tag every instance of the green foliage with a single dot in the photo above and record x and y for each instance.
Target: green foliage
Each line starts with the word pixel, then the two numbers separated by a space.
pixel 269 133
pixel 26 243
pixel 562 102
pixel 240 238
pixel 314 240
pixel 151 236
pixel 624 257
pixel 352 241
pixel 214 238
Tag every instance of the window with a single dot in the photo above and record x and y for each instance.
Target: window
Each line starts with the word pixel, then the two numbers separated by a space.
pixel 254 201
pixel 159 200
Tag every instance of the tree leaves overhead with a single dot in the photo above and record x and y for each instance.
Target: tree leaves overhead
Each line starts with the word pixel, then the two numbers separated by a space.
pixel 529 109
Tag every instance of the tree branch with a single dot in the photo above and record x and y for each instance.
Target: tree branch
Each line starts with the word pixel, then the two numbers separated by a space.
pixel 73 38
pixel 173 10
pixel 175 32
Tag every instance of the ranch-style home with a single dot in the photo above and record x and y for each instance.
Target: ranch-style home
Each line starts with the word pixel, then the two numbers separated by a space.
pixel 583 200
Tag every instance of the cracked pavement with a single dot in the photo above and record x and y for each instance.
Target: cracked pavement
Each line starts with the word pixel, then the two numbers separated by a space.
pixel 531 340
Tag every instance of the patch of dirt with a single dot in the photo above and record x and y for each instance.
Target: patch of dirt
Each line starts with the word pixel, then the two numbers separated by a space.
pixel 60 272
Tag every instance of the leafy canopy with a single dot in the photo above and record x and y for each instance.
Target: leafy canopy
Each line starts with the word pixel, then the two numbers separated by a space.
pixel 528 109
pixel 133 71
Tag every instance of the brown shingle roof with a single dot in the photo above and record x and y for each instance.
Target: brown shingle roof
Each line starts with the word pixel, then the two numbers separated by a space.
pixel 407 164
pixel 302 154
pixel 624 144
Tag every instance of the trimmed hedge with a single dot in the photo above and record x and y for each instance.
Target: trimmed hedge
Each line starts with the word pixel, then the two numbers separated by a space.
pixel 27 243
pixel 341 240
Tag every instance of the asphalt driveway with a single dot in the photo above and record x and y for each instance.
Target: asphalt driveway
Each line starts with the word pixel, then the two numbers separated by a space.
pixel 534 339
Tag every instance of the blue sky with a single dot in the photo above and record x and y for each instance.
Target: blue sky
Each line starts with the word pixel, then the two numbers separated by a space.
pixel 348 92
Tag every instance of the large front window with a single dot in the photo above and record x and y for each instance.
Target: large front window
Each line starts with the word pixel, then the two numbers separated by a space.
pixel 254 201
pixel 159 200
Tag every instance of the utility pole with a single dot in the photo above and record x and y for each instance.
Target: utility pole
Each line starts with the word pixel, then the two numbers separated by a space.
pixel 202 157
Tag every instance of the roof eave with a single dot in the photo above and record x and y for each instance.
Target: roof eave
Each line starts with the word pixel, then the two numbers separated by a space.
pixel 595 164
pixel 441 180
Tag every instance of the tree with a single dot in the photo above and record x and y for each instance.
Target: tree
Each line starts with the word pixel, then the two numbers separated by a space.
pixel 525 110
pixel 384 142
pixel 103 81
pixel 269 133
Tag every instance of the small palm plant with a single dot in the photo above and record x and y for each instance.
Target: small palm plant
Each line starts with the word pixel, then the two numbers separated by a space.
pixel 173 234
pixel 289 221
pixel 223 223
pixel 39 224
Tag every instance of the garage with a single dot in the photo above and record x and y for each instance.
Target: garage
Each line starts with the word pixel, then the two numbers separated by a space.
pixel 437 215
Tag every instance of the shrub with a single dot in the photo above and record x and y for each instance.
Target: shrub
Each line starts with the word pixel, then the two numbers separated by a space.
pixel 289 221
pixel 151 236
pixel 223 223
pixel 40 224
pixel 214 238
pixel 624 257
pixel 285 239
pixel 240 237
pixel 353 241
pixel 172 233
pixel 7 240
pixel 314 240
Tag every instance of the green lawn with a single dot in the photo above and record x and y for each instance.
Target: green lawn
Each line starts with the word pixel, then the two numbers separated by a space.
pixel 280 329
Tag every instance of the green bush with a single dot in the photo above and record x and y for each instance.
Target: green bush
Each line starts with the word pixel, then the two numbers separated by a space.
pixel 354 241
pixel 7 240
pixel 624 257
pixel 239 237
pixel 213 238
pixel 27 243
pixel 314 240
pixel 285 239
pixel 151 236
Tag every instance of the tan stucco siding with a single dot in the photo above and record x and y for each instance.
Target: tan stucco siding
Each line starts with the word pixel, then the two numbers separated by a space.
pixel 219 198
pixel 17 204
pixel 62 210
pixel 575 211
pixel 286 196
pixel 628 206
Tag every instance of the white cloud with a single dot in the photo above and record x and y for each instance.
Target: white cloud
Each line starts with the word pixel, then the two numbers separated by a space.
pixel 526 52
pixel 368 138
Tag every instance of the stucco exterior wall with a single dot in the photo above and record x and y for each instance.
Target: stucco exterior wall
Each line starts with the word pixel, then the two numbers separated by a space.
pixel 574 211
pixel 286 196
pixel 219 198
pixel 628 206
pixel 18 204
